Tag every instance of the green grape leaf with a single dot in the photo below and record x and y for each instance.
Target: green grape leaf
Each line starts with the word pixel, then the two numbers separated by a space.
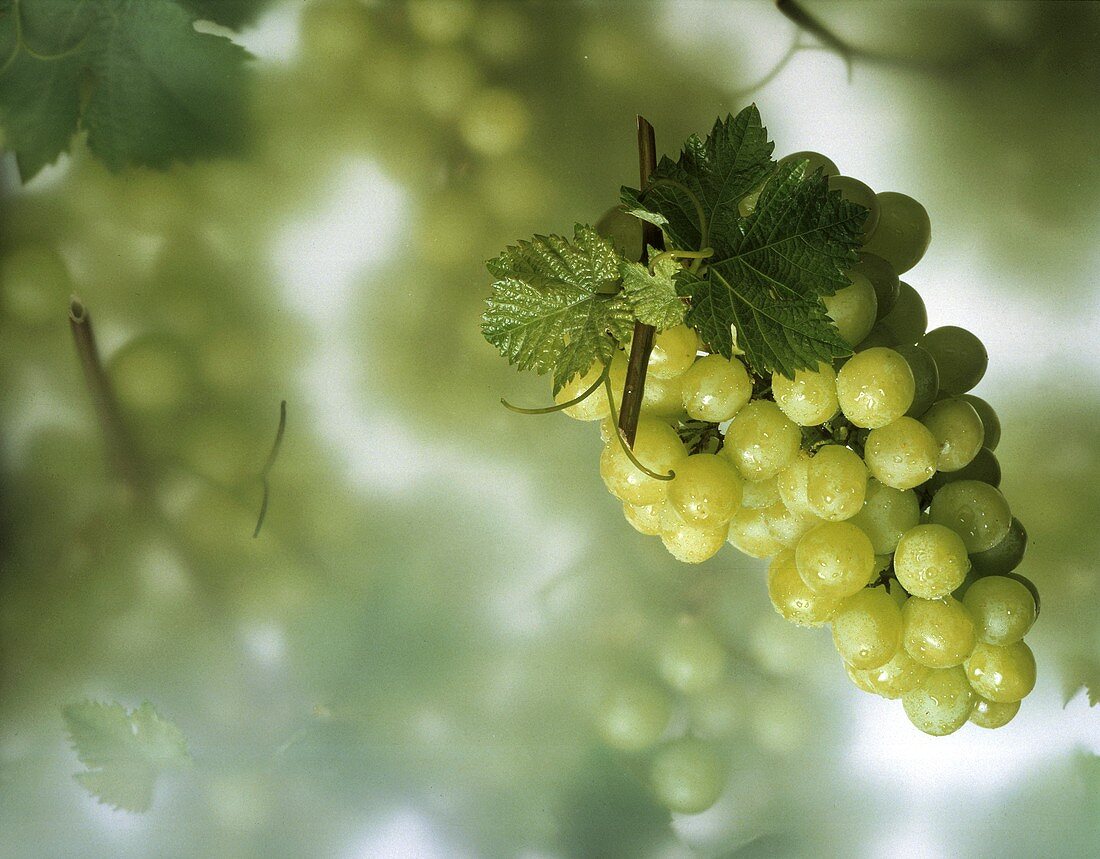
pixel 653 297
pixel 134 74
pixel 550 308
pixel 694 199
pixel 1082 673
pixel 229 13
pixel 124 751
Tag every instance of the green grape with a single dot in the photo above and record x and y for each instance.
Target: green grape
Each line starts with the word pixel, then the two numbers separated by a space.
pixel 715 389
pixel 853 309
pixel 810 398
pixel 761 440
pixel 867 628
pixel 444 80
pixel 749 533
pixel 930 561
pixel 690 658
pixel 903 231
pixel 1002 608
pixel 495 122
pixel 984 467
pixel 1004 557
pixel 758 494
pixel 886 514
pixel 624 231
pixel 990 422
pixel 883 278
pixel 926 377
pixel 960 356
pixel 893 679
pixel 836 483
pixel 687 775
pixel 792 483
pixel 674 351
pixel 644 518
pixel 816 160
pixel 786 525
pixel 658 448
pixel 942 703
pixel 1002 674
pixel 153 376
pixel 857 192
pixel 34 285
pixel 689 543
pixel 976 511
pixel 875 387
pixel 860 678
pixel 633 716
pixel 903 454
pixel 594 407
pixel 938 633
pixel 718 712
pixel 990 714
pixel 440 21
pixel 706 490
pixel 793 598
pixel 957 429
pixel 661 398
pixel 835 559
pixel 904 325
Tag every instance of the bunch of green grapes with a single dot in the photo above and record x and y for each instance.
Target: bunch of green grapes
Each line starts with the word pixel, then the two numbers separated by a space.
pixel 871 483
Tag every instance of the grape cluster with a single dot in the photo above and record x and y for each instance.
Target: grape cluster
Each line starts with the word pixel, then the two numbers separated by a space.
pixel 871 484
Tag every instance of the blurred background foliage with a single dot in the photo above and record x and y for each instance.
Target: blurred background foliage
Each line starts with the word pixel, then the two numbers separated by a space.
pixel 407 661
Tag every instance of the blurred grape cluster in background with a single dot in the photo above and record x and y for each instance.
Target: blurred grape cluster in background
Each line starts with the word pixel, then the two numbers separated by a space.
pixel 415 656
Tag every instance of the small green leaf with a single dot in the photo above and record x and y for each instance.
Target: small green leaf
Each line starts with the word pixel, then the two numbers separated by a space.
pixel 551 310
pixel 1082 673
pixel 653 296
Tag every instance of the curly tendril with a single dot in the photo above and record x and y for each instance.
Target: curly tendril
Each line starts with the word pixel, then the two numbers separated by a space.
pixel 622 442
pixel 588 392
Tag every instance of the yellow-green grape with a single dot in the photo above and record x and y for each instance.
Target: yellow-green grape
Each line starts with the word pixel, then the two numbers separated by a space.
pixel 942 703
pixel 690 658
pixel 688 775
pixel 960 356
pixel 793 598
pixel 815 160
pixel 990 422
pixel 1002 608
pixel 758 494
pixel 984 467
pixel 792 482
pixel 903 231
pixel 931 561
pixel 903 454
pixel 440 21
pixel 674 351
pixel 886 514
pixel 990 714
pixel 152 375
pixel 975 511
pixel 718 712
pixel 786 525
pixel 926 376
pixel 623 230
pixel 853 309
pixel 658 448
pixel 495 122
pixel 644 518
pixel 1002 674
pixel 34 284
pixel 903 325
pixel 883 278
pixel 835 559
pixel 958 431
pixel 857 192
pixel 690 542
pixel 749 533
pixel 444 80
pixel 895 678
pixel 594 407
pixel 633 716
pixel 875 387
pixel 836 483
pixel 761 440
pixel 662 398
pixel 867 628
pixel 938 633
pixel 706 491
pixel 715 389
pixel 860 679
pixel 1005 556
pixel 810 398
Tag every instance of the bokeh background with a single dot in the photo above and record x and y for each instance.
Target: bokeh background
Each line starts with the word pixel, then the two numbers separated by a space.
pixel 406 661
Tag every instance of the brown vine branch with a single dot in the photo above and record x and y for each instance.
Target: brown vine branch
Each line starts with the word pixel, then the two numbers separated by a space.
pixel 642 343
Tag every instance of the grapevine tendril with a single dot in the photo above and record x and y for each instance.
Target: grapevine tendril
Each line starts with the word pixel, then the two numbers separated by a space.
pixel 622 442
pixel 588 392
pixel 705 253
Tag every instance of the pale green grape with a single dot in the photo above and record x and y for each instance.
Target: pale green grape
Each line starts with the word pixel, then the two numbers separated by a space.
pixel 661 398
pixel 853 309
pixel 658 448
pixel 857 192
pixel 904 325
pixel 34 284
pixel 706 490
pixel 690 658
pixel 942 703
pixel 793 598
pixel 957 429
pixel 984 467
pixel 902 674
pixel 674 351
pixel 810 398
pixel 976 511
pixel 644 518
pixel 938 633
pixel 875 387
pixel 633 716
pixel 444 80
pixel 835 559
pixel 1002 608
pixel 792 483
pixel 926 378
pixel 153 375
pixel 1004 557
pixel 715 389
pixel 930 561
pixel 689 543
pixel 867 628
pixel 816 160
pixel 623 230
pixel 1002 674
pixel 495 122
pixel 960 356
pixel 860 678
pixel 990 714
pixel 758 494
pixel 990 422
pixel 883 278
pixel 688 775
pixel 903 454
pixel 836 483
pixel 595 407
pixel 886 514
pixel 440 21
pixel 786 525
pixel 761 440
pixel 718 712
pixel 749 533
pixel 903 231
